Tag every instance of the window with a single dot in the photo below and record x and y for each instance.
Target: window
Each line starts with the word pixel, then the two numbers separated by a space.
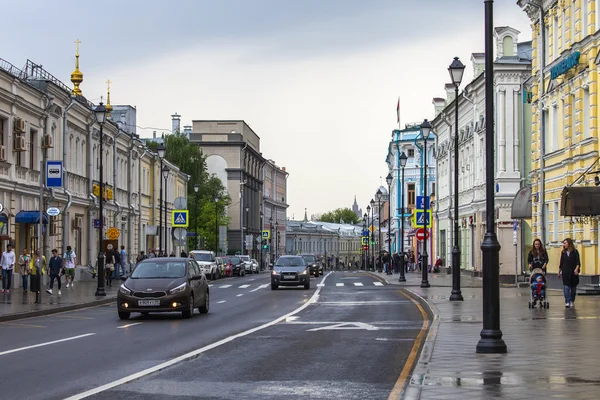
pixel 573 27
pixel 546 124
pixel 546 36
pixel 411 152
pixel 586 113
pixel 555 222
pixel 411 195
pixel 554 128
pixel 2 122
pixel 432 189
pixel 597 14
pixel 546 220
pixel 563 25
pixel 33 145
pixel 555 53
pixel 584 18
pixel 442 249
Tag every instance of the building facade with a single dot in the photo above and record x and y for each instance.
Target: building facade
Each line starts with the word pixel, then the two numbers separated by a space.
pixel 274 208
pixel 512 68
pixel 565 147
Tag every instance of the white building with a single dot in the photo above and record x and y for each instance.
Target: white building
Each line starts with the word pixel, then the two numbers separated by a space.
pixel 512 68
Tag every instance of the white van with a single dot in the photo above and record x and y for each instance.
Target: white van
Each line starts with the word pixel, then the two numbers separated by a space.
pixel 208 262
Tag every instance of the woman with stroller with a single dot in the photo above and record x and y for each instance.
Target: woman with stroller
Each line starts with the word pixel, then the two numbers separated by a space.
pixel 538 256
pixel 569 269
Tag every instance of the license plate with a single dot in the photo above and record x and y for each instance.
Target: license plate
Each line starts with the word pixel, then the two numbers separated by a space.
pixel 148 303
pixel 289 277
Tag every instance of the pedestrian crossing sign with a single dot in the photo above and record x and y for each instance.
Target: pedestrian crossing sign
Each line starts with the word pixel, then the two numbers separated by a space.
pixel 179 218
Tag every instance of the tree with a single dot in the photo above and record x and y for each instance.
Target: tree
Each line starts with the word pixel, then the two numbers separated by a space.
pixel 340 214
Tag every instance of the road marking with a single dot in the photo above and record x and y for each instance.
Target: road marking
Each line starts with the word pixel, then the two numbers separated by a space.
pixel 240 295
pixel 345 326
pixel 339 284
pixel 192 354
pixel 394 339
pixel 221 302
pixel 45 344
pixel 211 285
pixel 224 286
pixel 260 287
pixel 291 319
pixel 412 357
pixel 358 284
pixel 366 302
pixel 377 283
pixel 243 286
pixel 320 284
pixel 128 325
pixel 74 317
pixel 21 325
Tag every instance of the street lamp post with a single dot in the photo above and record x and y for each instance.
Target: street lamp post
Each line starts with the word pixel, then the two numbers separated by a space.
pixel 271 240
pixel 165 173
pixel 216 225
pixel 456 70
pixel 369 248
pixel 161 150
pixel 261 242
pixel 425 131
pixel 276 239
pixel 100 112
pixel 372 203
pixel 403 161
pixel 365 254
pixel 389 178
pixel 196 188
pixel 491 336
pixel 379 195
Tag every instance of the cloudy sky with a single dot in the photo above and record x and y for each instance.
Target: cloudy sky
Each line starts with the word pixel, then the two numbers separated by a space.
pixel 318 80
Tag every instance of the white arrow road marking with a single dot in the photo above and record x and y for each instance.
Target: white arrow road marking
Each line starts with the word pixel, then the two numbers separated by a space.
pixel 128 325
pixel 358 284
pixel 244 286
pixel 224 286
pixel 291 319
pixel 45 344
pixel 339 284
pixel 260 287
pixel 222 301
pixel 345 326
pixel 377 283
pixel 240 295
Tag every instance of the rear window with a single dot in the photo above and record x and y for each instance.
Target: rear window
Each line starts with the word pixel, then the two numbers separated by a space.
pixel 245 258
pixel 235 260
pixel 310 259
pixel 202 256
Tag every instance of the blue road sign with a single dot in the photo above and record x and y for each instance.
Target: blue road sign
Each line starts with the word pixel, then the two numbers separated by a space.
pixel 179 218
pixel 423 203
pixel 366 233
pixel 422 219
pixel 97 223
pixel 54 174
pixel 192 234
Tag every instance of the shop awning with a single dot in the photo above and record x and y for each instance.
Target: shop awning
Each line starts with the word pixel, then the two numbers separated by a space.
pixel 580 201
pixel 30 217
pixel 521 206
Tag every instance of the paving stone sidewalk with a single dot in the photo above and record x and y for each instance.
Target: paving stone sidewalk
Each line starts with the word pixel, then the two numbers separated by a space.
pixel 552 353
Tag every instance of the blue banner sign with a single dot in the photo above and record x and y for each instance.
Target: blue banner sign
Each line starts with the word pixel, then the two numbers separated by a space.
pixel 565 65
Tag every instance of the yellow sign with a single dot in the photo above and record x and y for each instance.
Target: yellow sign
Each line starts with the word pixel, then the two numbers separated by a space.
pixel 179 218
pixel 113 233
pixel 108 193
pixel 372 228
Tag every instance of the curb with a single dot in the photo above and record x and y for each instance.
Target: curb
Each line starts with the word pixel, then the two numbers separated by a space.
pixel 39 313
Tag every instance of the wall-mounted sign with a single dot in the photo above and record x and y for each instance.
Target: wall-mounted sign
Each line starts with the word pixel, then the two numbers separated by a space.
pixel 108 192
pixel 54 174
pixel 113 233
pixel 572 60
pixel 53 211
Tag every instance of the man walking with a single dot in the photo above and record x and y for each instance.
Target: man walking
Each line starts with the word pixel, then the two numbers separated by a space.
pixel 69 259
pixel 55 267
pixel 24 260
pixel 7 263
pixel 123 261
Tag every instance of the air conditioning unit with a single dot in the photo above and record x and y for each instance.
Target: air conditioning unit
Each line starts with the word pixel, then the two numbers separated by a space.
pixel 2 153
pixel 20 144
pixel 47 142
pixel 77 222
pixel 53 229
pixel 19 125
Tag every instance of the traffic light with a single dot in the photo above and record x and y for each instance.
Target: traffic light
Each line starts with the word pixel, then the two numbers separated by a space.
pixel 265 245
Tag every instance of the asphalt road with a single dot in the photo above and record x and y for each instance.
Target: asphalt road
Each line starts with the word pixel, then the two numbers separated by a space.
pixel 350 339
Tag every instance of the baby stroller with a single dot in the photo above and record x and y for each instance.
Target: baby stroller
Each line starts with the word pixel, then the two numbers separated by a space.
pixel 537 282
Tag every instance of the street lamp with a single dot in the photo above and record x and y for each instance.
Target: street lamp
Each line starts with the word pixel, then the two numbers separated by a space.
pixel 271 239
pixel 100 112
pixel 196 188
pixel 261 241
pixel 379 195
pixel 372 203
pixel 389 178
pixel 247 229
pixel 425 131
pixel 365 254
pixel 491 336
pixel 276 239
pixel 161 150
pixel 165 173
pixel 456 70
pixel 217 225
pixel 403 161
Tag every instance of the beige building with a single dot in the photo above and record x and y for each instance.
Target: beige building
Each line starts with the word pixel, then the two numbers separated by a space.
pixel 274 208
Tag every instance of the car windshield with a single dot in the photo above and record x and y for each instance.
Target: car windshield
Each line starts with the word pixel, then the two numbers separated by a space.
pixel 234 260
pixel 202 256
pixel 309 259
pixel 159 269
pixel 290 262
pixel 245 258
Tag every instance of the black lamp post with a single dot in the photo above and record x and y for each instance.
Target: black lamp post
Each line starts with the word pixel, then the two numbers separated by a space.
pixel 217 225
pixel 261 242
pixel 456 70
pixel 389 178
pixel 100 112
pixel 165 173
pixel 161 150
pixel 300 245
pixel 196 188
pixel 365 254
pixel 276 239
pixel 271 240
pixel 425 131
pixel 369 249
pixel 372 203
pixel 403 161
pixel 491 336
pixel 379 195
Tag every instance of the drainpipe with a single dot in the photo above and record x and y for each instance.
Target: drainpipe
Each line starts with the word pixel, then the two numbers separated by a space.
pixel 140 227
pixel 130 201
pixel 524 84
pixel 472 242
pixel 91 196
pixel 421 167
pixel 450 194
pixel 115 183
pixel 65 215
pixel 541 181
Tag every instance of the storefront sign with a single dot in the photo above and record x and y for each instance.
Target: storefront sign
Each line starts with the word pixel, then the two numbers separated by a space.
pixel 113 233
pixel 565 65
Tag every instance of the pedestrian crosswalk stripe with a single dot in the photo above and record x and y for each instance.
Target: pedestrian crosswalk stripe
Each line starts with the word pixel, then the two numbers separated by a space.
pixel 224 286
pixel 377 283
pixel 358 284
pixel 244 286
pixel 339 284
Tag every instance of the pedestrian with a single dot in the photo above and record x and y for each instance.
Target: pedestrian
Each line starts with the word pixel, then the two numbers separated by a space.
pixel 55 270
pixel 411 261
pixel 140 257
pixel 123 261
pixel 150 253
pixel 538 256
pixel 568 269
pixel 110 264
pixel 69 260
pixel 24 260
pixel 172 253
pixel 396 262
pixel 37 261
pixel 8 263
pixel 183 254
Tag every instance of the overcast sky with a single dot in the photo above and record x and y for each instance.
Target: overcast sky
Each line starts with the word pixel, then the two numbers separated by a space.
pixel 317 80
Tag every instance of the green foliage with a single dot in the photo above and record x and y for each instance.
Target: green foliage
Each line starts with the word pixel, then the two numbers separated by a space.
pixel 343 214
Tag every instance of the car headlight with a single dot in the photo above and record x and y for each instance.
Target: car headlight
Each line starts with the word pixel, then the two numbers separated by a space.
pixel 179 288
pixel 275 272
pixel 305 272
pixel 123 289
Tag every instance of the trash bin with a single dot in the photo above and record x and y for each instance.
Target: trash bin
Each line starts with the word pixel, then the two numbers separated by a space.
pixel 34 283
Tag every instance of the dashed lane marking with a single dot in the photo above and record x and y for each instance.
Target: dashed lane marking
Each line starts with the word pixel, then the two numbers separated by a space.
pixel 128 325
pixel 358 284
pixel 45 344
pixel 377 283
pixel 339 284
pixel 260 287
pixel 240 295
pixel 224 286
pixel 244 286
pixel 221 302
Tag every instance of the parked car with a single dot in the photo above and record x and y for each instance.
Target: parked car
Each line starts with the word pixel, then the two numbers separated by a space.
pixel 313 263
pixel 247 263
pixel 220 266
pixel 255 266
pixel 236 264
pixel 164 285
pixel 290 271
pixel 207 261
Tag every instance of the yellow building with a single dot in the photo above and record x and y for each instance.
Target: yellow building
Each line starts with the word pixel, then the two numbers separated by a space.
pixel 564 124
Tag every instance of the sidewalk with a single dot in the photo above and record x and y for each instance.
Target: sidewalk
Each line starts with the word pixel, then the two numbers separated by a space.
pixel 17 304
pixel 552 353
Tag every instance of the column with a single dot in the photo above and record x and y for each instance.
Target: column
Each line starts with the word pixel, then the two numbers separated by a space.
pixel 517 107
pixel 500 129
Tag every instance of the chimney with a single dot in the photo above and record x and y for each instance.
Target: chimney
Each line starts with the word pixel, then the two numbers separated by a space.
pixel 449 92
pixel 478 60
pixel 175 123
pixel 283 169
pixel 438 105
pixel 153 134
pixel 187 130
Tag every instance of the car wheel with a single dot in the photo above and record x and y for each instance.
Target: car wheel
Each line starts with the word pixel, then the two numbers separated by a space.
pixel 204 308
pixel 189 311
pixel 307 286
pixel 213 277
pixel 273 286
pixel 124 314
